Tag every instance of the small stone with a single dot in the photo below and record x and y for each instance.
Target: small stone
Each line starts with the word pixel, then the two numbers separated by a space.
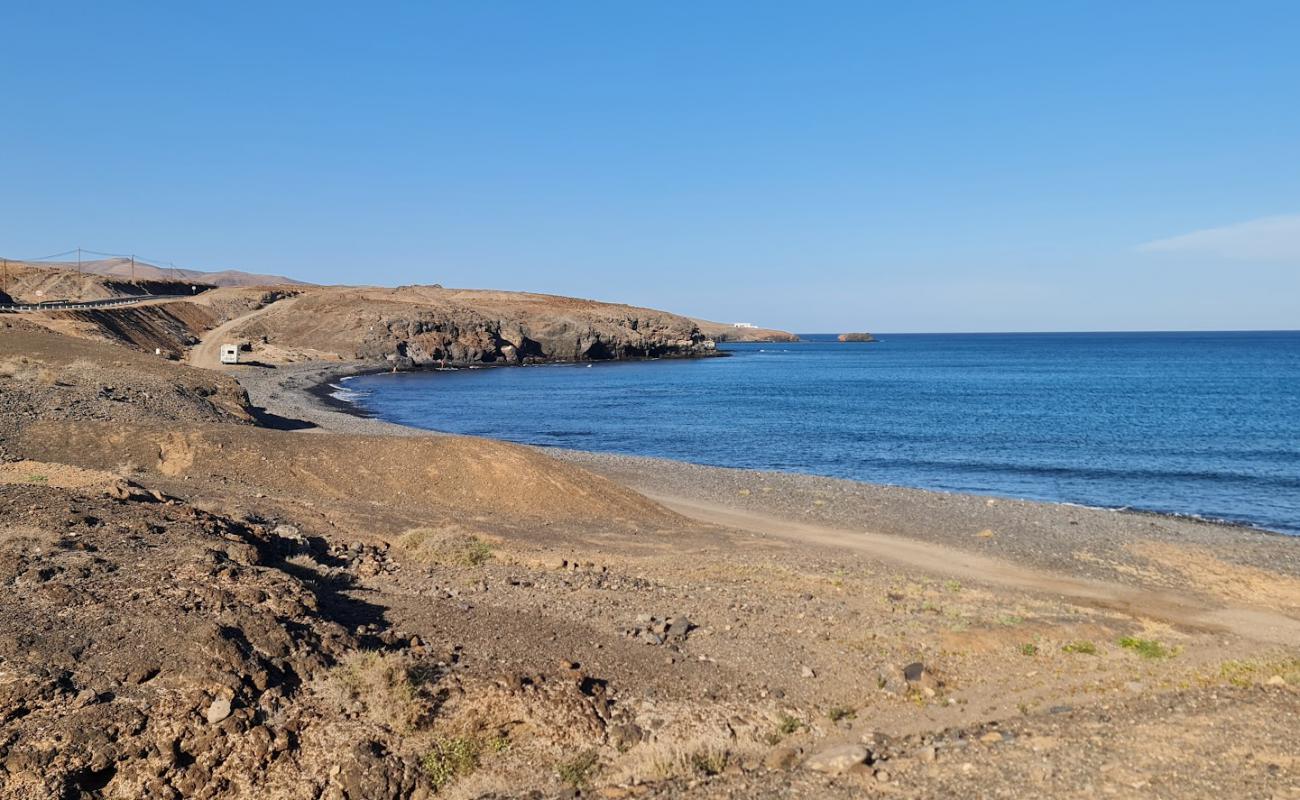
pixel 625 735
pixel 807 671
pixel 914 672
pixel 781 758
pixel 927 754
pixel 219 710
pixel 992 737
pixel 837 760
pixel 1276 680
pixel 678 628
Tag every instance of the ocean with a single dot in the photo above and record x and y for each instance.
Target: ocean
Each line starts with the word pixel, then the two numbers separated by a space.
pixel 1199 424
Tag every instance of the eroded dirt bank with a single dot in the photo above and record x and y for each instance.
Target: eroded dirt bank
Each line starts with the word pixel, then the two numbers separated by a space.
pixel 197 605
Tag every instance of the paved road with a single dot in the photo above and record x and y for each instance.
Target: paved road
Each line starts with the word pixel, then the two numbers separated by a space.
pixel 113 302
pixel 207 353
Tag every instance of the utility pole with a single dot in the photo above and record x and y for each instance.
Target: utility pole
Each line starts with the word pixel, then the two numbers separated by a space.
pixel 132 269
pixel 78 260
pixel 6 273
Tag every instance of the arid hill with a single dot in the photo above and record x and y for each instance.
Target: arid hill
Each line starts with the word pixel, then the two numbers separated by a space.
pixel 32 283
pixel 724 332
pixel 123 269
pixel 409 326
pixel 424 325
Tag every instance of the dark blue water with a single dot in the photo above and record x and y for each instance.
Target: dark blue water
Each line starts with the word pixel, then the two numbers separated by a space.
pixel 1191 423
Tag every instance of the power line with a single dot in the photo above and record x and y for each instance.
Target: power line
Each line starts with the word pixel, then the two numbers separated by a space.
pixel 159 263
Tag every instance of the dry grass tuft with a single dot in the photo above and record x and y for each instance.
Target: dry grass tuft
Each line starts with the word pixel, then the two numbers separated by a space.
pixel 698 756
pixel 392 689
pixel 448 546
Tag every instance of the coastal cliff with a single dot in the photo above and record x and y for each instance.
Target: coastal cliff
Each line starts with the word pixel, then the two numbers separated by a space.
pixel 414 326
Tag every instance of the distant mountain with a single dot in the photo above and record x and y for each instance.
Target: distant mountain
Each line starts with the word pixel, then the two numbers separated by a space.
pixel 121 268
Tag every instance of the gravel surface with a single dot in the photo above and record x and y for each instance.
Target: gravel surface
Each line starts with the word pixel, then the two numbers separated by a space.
pixel 1084 542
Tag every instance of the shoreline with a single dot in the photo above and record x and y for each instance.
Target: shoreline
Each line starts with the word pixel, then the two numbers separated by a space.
pixel 1043 534
pixel 366 596
pixel 322 392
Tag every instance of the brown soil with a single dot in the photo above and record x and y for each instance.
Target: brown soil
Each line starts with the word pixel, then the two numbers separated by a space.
pixel 201 607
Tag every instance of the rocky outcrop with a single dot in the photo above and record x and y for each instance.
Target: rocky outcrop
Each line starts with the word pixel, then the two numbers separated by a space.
pixel 724 332
pixel 427 326
pixel 856 337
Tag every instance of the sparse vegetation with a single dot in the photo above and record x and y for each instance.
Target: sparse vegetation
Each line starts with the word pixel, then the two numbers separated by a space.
pixel 38 479
pixel 1147 648
pixel 450 546
pixel 952 586
pixel 1246 673
pixel 696 757
pixel 449 759
pixel 577 771
pixel 787 724
pixel 837 713
pixel 1028 649
pixel 709 761
pixel 389 687
pixel 1082 646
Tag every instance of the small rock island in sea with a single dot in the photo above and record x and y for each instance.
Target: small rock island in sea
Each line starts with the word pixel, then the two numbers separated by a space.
pixel 856 337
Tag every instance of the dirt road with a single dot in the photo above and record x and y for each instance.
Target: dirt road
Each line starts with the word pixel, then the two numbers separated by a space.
pixel 1258 624
pixel 207 353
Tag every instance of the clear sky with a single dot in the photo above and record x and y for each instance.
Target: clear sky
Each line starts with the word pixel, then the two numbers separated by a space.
pixel 816 166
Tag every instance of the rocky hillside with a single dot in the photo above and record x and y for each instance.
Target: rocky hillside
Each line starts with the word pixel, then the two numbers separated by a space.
pixel 47 376
pixel 422 325
pixel 35 284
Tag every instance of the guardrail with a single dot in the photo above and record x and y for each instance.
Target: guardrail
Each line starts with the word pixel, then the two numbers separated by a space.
pixel 66 304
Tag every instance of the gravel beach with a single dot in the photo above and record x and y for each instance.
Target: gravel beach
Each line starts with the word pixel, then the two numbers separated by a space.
pixel 1086 542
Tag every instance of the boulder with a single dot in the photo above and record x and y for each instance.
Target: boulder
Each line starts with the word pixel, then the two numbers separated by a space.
pixel 837 760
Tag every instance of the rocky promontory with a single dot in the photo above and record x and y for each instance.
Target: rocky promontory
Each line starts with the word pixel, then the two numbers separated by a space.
pixel 856 337
pixel 414 326
pixel 730 332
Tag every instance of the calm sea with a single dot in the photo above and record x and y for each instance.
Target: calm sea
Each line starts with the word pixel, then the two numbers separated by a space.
pixel 1205 424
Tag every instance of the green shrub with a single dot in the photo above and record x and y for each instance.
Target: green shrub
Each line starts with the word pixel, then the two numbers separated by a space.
pixel 1147 648
pixel 837 713
pixel 577 771
pixel 450 758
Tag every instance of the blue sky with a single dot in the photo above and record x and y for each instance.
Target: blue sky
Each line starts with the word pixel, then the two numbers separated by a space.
pixel 815 166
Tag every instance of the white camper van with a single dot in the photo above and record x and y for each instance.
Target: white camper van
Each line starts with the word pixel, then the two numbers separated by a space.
pixel 229 354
